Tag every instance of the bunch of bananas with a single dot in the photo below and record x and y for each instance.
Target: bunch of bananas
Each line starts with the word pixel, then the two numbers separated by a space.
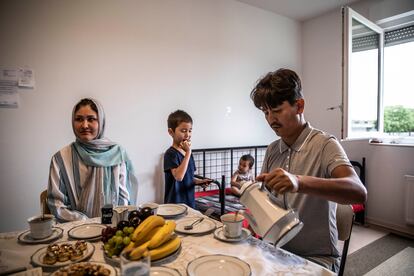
pixel 155 235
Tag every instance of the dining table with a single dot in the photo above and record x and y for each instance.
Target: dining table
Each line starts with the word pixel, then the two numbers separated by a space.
pixel 262 258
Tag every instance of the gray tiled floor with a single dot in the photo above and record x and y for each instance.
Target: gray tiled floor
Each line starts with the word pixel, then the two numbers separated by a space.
pixel 362 236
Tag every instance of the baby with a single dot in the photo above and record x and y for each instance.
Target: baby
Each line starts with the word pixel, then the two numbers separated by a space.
pixel 243 173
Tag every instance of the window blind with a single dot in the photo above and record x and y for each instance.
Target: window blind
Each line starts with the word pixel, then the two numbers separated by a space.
pixel 393 37
pixel 364 43
pixel 399 36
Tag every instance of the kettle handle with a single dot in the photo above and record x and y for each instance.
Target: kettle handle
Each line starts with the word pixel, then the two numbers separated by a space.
pixel 249 217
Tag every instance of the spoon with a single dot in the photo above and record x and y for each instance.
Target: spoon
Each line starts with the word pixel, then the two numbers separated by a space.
pixel 189 227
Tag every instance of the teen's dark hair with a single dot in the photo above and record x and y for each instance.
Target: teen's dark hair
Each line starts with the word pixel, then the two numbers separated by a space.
pixel 85 102
pixel 177 117
pixel 275 88
pixel 249 158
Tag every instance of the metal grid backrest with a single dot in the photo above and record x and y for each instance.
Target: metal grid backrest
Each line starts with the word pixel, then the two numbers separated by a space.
pixel 215 162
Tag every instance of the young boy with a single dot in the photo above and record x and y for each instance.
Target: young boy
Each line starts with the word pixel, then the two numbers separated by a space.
pixel 179 166
pixel 243 173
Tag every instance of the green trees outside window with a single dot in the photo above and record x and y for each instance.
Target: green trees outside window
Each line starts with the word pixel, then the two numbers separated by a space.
pixel 399 119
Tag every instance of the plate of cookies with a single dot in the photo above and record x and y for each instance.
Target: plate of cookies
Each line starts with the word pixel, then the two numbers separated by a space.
pixel 62 254
pixel 86 268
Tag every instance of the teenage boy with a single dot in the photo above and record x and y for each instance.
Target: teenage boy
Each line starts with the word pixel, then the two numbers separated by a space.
pixel 179 165
pixel 307 165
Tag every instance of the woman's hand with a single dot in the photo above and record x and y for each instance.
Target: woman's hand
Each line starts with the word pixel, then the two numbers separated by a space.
pixel 280 181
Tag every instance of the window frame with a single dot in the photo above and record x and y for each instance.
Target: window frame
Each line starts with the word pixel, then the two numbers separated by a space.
pixel 346 133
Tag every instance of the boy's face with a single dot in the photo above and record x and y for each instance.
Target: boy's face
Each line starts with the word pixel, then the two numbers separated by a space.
pixel 244 166
pixel 181 133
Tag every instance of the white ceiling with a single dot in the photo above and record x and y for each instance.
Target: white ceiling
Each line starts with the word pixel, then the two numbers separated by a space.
pixel 300 10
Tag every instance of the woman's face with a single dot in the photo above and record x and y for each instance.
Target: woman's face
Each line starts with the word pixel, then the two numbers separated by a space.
pixel 86 123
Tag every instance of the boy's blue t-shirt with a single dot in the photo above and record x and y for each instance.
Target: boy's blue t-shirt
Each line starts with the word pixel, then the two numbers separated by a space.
pixel 178 191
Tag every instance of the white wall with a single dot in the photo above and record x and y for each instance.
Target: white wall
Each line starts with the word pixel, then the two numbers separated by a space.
pixel 322 76
pixel 142 60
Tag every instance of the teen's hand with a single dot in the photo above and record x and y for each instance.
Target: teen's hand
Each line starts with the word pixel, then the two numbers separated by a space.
pixel 205 183
pixel 280 181
pixel 186 145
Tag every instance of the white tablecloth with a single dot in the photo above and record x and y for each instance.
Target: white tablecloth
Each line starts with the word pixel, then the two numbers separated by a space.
pixel 262 258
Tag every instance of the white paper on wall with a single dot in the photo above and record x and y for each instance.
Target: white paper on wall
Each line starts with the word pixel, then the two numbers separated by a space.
pixel 26 78
pixel 8 74
pixel 8 94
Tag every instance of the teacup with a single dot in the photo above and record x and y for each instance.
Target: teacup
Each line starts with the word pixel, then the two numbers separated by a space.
pixel 41 226
pixel 232 225
pixel 152 205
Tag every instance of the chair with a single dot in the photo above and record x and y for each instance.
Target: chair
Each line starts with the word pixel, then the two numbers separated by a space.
pixel 344 221
pixel 359 209
pixel 43 202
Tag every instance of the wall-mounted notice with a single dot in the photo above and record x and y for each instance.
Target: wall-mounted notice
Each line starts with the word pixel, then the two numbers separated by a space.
pixel 26 78
pixel 8 95
pixel 8 88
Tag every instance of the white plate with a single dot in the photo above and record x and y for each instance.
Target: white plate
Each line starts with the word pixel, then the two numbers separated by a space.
pixel 218 265
pixel 86 231
pixel 205 226
pixel 163 271
pixel 107 266
pixel 26 238
pixel 219 234
pixel 37 257
pixel 171 210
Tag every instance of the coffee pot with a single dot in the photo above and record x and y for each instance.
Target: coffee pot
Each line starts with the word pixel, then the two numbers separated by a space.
pixel 269 216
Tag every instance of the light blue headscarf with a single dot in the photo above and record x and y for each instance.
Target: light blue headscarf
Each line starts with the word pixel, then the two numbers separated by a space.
pixel 101 152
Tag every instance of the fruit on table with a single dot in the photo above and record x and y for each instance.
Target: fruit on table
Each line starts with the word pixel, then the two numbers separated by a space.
pixel 137 252
pixel 134 221
pixel 165 249
pixel 115 243
pixel 122 224
pixel 145 213
pixel 107 233
pixel 155 235
pixel 162 235
pixel 133 214
pixel 148 236
pixel 146 226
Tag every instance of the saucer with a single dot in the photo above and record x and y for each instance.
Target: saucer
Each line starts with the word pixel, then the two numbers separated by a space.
pixel 219 234
pixel 203 227
pixel 26 238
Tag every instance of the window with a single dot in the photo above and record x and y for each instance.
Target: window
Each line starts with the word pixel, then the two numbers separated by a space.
pixel 378 87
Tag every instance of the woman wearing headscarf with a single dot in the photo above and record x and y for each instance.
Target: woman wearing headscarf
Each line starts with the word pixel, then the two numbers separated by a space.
pixel 90 172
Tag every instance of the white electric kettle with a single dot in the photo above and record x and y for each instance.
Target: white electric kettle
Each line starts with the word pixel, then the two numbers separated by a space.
pixel 269 217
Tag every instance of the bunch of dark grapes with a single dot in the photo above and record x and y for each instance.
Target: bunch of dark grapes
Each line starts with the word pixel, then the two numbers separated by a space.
pixel 108 233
